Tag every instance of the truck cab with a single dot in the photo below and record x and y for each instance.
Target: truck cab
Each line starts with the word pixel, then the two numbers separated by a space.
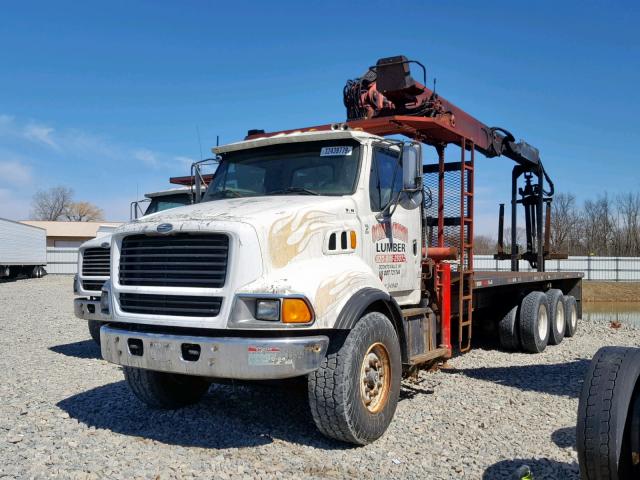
pixel 94 257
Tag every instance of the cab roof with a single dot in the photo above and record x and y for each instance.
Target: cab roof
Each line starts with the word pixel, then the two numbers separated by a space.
pixel 293 137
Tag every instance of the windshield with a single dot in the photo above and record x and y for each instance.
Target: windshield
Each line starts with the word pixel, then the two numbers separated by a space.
pixel 165 202
pixel 306 168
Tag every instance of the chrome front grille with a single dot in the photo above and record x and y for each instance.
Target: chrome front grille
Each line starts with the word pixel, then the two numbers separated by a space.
pixel 174 305
pixel 181 260
pixel 96 262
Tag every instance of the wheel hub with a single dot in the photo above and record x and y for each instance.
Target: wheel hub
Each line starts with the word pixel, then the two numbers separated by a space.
pixel 375 378
pixel 543 322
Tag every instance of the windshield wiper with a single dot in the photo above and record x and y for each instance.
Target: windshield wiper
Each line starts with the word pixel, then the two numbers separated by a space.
pixel 292 190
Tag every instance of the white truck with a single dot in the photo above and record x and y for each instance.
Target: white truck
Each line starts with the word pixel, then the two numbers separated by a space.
pixel 23 250
pixel 316 253
pixel 94 254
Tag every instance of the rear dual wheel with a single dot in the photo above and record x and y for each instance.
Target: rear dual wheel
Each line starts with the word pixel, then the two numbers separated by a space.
pixel 557 320
pixel 534 322
pixel 530 326
pixel 570 315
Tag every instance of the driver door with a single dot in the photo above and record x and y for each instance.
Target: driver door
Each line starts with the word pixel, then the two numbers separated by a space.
pixel 394 248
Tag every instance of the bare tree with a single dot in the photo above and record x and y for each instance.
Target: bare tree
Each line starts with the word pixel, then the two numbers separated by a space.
pixel 484 245
pixel 83 212
pixel 520 239
pixel 628 232
pixel 598 226
pixel 565 223
pixel 51 204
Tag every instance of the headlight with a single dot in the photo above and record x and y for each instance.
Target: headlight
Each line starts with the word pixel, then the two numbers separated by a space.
pixel 268 310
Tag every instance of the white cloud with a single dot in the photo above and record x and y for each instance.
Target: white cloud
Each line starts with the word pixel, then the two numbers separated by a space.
pixel 147 157
pixel 40 134
pixel 14 173
pixel 184 162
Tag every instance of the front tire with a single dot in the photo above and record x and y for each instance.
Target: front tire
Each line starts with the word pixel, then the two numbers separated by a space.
pixel 163 390
pixel 94 330
pixel 354 393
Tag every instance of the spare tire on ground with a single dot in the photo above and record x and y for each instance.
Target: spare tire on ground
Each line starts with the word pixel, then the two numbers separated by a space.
pixel 608 429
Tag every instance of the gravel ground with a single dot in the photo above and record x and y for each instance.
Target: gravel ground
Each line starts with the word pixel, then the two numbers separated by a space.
pixel 65 413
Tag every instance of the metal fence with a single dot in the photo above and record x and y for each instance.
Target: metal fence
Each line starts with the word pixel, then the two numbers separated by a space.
pixel 613 269
pixel 63 260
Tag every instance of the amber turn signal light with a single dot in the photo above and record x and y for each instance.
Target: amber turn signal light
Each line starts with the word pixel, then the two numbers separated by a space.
pixel 295 310
pixel 353 240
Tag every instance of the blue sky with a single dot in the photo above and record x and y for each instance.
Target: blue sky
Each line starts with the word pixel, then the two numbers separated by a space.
pixel 106 97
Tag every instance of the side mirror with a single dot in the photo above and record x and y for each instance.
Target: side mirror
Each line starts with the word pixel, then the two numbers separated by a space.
pixel 411 166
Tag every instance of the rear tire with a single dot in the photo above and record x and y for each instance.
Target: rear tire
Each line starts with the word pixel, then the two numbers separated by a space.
pixel 354 393
pixel 570 315
pixel 508 330
pixel 163 390
pixel 557 321
pixel 534 322
pixel 607 414
pixel 94 330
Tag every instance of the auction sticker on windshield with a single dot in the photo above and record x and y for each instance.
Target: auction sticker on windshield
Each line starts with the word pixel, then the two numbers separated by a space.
pixel 336 151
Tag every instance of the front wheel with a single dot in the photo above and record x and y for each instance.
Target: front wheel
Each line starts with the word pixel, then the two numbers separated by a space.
pixel 165 390
pixel 94 330
pixel 354 393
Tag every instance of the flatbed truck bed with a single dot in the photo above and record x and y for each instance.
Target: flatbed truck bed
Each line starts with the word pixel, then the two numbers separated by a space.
pixel 489 286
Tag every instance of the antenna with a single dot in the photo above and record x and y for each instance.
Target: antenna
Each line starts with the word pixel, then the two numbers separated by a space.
pixel 199 141
pixel 217 140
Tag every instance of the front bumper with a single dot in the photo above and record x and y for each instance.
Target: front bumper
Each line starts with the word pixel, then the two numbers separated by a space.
pixel 87 309
pixel 217 357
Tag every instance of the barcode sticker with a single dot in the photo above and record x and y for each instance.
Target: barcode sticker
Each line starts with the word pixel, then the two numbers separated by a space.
pixel 336 151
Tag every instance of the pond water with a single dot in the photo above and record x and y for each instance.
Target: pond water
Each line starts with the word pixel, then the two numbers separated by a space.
pixel 624 312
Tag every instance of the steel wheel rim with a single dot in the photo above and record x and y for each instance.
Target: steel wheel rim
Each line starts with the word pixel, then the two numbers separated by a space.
pixel 543 322
pixel 574 317
pixel 375 378
pixel 559 317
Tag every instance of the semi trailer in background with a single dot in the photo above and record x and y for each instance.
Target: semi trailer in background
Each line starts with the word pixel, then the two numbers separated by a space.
pixel 23 250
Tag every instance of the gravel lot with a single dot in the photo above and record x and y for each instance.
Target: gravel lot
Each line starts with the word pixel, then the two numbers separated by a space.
pixel 65 413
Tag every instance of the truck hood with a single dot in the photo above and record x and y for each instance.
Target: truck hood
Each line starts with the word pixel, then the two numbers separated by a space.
pixel 254 210
pixel 288 227
pixel 103 241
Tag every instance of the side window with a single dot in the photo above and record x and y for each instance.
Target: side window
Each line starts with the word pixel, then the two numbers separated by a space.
pixel 385 178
